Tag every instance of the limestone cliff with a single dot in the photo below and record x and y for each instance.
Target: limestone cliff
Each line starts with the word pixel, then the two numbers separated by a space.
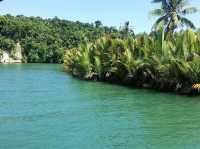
pixel 16 58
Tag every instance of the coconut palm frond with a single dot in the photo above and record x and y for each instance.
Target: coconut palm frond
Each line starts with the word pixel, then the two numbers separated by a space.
pixel 189 10
pixel 158 22
pixel 157 12
pixel 187 22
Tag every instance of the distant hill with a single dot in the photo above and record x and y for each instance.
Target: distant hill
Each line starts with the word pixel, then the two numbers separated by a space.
pixel 45 40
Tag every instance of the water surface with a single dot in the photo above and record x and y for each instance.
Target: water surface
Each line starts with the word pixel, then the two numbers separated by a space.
pixel 42 107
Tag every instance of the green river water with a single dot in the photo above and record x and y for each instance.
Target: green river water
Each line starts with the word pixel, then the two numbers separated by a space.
pixel 42 107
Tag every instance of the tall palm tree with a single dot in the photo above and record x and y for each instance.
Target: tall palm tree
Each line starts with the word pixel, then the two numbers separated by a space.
pixel 127 30
pixel 173 14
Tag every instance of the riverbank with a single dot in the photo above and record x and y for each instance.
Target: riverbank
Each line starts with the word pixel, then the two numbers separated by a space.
pixel 171 65
pixel 188 90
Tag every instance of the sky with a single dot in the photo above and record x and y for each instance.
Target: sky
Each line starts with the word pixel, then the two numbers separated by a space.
pixel 110 12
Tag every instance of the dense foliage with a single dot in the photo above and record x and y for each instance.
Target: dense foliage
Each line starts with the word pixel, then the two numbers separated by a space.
pixel 169 62
pixel 45 40
pixel 144 61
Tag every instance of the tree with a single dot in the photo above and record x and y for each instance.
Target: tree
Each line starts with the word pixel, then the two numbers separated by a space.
pixel 126 31
pixel 173 14
pixel 98 24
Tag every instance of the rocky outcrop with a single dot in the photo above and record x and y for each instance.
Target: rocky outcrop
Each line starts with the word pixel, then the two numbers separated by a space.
pixel 7 58
pixel 18 53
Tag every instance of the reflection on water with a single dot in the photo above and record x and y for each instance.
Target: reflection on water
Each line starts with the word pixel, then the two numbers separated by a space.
pixel 42 107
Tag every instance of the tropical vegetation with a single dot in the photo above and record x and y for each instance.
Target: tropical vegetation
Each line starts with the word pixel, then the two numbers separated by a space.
pixel 166 59
pixel 172 14
pixel 45 40
pixel 144 61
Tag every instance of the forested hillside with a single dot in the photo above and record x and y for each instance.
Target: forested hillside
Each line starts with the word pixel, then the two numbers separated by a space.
pixel 45 40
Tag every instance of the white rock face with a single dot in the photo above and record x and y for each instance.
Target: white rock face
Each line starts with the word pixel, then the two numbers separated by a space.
pixel 18 53
pixel 6 58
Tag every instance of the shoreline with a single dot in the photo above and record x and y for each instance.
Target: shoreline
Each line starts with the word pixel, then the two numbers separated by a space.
pixel 186 91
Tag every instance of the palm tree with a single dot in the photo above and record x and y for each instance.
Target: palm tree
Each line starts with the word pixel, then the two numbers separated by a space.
pixel 173 14
pixel 98 24
pixel 127 31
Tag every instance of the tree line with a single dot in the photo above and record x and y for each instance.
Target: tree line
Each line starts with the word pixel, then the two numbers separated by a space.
pixel 45 40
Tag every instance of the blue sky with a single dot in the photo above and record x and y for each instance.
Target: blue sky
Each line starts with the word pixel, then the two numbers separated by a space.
pixel 110 12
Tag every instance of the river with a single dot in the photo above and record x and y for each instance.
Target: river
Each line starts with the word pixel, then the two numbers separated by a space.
pixel 41 107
